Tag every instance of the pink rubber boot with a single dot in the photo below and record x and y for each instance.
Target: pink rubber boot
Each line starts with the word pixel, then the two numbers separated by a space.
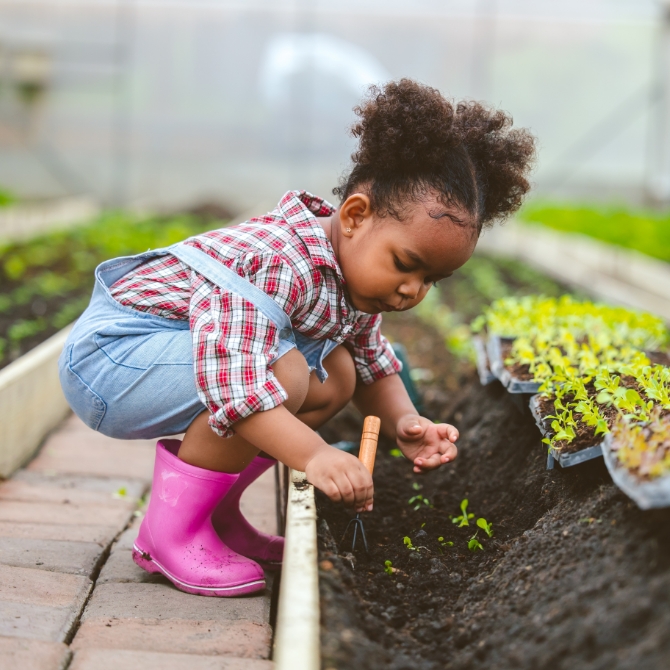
pixel 177 538
pixel 237 532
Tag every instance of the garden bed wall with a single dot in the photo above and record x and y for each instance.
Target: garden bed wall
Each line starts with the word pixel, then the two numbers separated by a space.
pixel 31 402
pixel 606 271
pixel 297 631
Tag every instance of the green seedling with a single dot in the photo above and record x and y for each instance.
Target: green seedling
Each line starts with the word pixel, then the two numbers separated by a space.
pixel 474 544
pixel 120 493
pixel 408 543
pixel 418 501
pixel 416 486
pixel 485 526
pixel 388 567
pixel 445 543
pixel 464 518
pixel 396 453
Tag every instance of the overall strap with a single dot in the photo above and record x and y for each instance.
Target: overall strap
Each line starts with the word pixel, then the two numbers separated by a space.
pixel 222 276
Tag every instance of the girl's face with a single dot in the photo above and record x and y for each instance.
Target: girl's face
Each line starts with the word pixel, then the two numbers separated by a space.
pixel 389 265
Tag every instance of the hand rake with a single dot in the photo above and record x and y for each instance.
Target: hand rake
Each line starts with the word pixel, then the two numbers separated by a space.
pixel 366 455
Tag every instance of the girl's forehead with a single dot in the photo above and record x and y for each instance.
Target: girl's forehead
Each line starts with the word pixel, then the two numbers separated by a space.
pixel 440 245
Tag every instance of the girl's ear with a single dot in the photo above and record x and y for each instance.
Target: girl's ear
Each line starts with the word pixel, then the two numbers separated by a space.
pixel 353 213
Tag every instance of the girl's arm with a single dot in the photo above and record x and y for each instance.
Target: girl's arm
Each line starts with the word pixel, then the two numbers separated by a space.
pixel 386 398
pixel 341 476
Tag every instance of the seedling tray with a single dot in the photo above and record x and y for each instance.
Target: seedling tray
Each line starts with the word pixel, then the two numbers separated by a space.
pixel 553 455
pixel 511 383
pixel 485 374
pixel 645 494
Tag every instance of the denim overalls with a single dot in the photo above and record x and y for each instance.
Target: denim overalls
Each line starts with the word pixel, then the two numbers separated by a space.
pixel 129 374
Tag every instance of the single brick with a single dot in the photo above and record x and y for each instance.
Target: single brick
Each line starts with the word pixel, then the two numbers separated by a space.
pixel 76 558
pixel 242 639
pixel 120 567
pixel 114 659
pixel 15 489
pixel 78 450
pixel 37 622
pixel 35 512
pixel 134 488
pixel 40 605
pixel 101 535
pixel 164 601
pixel 32 654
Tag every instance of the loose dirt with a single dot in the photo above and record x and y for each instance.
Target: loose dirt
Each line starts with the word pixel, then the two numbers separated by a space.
pixel 574 577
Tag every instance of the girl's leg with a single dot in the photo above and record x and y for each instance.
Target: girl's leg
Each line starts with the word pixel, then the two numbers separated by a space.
pixel 322 402
pixel 203 448
pixel 325 400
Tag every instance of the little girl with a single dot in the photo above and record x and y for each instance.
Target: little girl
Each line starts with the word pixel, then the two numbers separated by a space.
pixel 247 339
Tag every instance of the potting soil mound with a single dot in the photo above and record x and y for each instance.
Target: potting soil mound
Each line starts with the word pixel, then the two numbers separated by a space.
pixel 575 575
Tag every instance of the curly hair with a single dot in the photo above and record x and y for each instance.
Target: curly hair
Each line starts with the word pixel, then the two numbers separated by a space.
pixel 413 141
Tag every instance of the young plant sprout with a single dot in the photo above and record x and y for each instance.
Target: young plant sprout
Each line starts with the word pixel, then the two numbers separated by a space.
pixel 485 526
pixel 388 567
pixel 474 544
pixel 396 453
pixel 418 501
pixel 463 519
pixel 444 543
pixel 408 543
pixel 592 362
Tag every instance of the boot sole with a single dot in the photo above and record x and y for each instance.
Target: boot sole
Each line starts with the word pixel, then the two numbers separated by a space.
pixel 151 565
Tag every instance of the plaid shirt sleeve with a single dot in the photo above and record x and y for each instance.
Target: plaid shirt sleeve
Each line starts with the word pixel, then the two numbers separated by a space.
pixel 234 344
pixel 373 356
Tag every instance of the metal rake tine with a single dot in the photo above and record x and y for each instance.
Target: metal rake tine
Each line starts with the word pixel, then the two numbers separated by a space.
pixel 357 523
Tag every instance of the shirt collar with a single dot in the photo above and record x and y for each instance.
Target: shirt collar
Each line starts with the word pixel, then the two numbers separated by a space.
pixel 300 209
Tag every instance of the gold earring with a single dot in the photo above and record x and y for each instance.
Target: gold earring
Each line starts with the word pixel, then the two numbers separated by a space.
pixel 348 230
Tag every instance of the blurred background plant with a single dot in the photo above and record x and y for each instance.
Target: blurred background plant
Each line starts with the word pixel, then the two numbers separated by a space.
pixel 46 283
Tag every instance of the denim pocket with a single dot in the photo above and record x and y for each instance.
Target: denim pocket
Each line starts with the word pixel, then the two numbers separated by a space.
pixel 83 400
pixel 141 352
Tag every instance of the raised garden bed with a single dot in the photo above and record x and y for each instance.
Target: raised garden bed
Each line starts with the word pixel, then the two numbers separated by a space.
pixel 574 575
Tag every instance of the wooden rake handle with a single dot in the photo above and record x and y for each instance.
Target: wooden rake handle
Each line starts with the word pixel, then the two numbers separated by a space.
pixel 369 439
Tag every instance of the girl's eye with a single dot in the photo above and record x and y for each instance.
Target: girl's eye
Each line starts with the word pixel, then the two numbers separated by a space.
pixel 401 266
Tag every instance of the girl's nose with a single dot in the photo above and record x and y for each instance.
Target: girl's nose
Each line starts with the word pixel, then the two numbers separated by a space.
pixel 410 290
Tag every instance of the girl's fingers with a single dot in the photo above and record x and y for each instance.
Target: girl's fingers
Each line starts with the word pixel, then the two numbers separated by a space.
pixel 346 490
pixel 428 462
pixel 363 488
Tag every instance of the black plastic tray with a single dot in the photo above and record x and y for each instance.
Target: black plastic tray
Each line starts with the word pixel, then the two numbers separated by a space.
pixel 564 460
pixel 645 494
pixel 485 374
pixel 512 384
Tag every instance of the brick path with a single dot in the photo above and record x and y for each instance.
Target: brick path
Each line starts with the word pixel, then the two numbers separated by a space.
pixel 70 594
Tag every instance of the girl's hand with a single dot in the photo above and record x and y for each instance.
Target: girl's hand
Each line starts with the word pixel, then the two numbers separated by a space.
pixel 428 445
pixel 342 477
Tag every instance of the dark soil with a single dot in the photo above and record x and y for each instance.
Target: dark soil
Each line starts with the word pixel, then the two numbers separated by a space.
pixel 518 371
pixel 575 576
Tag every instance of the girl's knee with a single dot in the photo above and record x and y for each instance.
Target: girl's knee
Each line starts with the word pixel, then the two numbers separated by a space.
pixel 292 372
pixel 342 372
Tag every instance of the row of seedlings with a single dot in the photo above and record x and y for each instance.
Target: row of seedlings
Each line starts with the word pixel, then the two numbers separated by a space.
pixel 596 380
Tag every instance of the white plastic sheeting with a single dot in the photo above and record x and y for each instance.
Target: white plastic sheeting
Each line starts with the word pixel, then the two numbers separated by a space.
pixel 164 102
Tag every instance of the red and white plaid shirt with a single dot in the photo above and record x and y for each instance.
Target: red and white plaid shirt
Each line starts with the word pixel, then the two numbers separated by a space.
pixel 287 255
